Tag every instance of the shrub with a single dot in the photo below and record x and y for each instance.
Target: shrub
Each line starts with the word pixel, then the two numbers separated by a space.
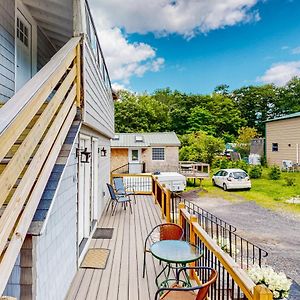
pixel 275 173
pixel 290 181
pixel 242 165
pixel 220 163
pixel 255 172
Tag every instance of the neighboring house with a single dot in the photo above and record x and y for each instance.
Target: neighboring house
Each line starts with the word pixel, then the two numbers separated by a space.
pixel 55 129
pixel 145 152
pixel 283 139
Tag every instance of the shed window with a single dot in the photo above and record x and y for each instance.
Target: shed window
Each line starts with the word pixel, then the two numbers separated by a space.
pixel 158 153
pixel 275 147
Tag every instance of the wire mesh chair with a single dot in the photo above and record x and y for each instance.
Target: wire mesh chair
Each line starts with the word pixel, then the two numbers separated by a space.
pixel 166 231
pixel 178 292
pixel 115 200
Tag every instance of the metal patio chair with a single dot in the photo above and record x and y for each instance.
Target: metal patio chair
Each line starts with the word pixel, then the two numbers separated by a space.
pixel 178 292
pixel 165 231
pixel 115 200
pixel 122 190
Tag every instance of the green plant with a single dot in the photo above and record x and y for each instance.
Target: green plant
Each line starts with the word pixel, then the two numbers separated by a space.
pixel 274 173
pixel 290 181
pixel 255 172
pixel 220 163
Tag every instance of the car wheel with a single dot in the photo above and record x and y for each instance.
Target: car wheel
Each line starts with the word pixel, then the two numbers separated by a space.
pixel 224 187
pixel 213 182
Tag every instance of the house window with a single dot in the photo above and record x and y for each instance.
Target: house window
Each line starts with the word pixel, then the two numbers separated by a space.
pixel 158 153
pixel 275 147
pixel 134 155
pixel 22 32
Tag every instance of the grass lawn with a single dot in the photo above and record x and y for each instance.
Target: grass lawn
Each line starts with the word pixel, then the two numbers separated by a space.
pixel 268 193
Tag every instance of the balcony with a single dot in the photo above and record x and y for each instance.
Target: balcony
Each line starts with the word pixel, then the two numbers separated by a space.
pixel 122 277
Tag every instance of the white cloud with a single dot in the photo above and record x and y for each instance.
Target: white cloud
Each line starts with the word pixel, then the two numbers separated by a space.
pixel 184 17
pixel 126 59
pixel 281 73
pixel 118 86
pixel 161 17
pixel 296 50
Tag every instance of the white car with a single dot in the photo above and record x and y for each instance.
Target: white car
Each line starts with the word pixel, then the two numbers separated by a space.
pixel 232 179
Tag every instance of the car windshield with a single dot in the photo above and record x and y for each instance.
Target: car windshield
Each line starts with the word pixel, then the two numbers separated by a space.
pixel 239 175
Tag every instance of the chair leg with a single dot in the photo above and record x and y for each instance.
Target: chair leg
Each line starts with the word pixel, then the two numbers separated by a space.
pixel 108 204
pixel 130 207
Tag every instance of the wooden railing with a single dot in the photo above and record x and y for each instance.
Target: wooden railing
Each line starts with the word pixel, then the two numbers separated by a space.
pixel 139 183
pixel 233 282
pixel 44 110
pixel 194 169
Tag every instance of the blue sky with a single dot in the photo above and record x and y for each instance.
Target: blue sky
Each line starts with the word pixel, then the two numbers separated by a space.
pixel 260 46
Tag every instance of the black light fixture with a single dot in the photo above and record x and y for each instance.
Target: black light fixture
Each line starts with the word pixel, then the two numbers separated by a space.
pixel 84 155
pixel 103 152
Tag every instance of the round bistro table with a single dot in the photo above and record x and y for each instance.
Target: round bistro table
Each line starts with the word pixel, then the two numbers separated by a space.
pixel 174 252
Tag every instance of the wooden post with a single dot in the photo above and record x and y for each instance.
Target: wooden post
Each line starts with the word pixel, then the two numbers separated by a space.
pixel 180 217
pixel 78 75
pixel 168 206
pixel 261 292
pixel 162 202
pixel 193 219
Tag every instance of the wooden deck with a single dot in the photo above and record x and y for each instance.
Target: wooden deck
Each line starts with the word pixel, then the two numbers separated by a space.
pixel 122 277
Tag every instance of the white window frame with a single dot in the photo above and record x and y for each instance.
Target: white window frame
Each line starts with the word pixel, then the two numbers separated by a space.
pixel 164 154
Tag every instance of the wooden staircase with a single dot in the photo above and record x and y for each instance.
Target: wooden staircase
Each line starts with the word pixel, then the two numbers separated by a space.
pixel 33 127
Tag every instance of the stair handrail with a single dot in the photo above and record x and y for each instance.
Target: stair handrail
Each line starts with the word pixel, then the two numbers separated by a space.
pixel 57 84
pixel 22 97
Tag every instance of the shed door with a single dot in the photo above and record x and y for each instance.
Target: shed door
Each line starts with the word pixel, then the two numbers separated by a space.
pixel 24 50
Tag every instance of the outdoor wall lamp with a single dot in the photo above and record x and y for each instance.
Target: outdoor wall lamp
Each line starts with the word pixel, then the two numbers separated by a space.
pixel 84 155
pixel 103 152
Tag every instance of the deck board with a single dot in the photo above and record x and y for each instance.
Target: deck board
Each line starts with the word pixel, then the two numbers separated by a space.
pixel 122 277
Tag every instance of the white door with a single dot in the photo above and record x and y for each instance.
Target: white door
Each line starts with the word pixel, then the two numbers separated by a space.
pixel 84 186
pixel 95 181
pixel 135 165
pixel 24 48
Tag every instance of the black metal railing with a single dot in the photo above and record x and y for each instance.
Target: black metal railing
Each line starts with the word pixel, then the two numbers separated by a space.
pixel 122 169
pixel 225 287
pixel 244 252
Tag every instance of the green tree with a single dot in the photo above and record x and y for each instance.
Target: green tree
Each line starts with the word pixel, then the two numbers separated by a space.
pixel 246 134
pixel 257 104
pixel 201 147
pixel 201 119
pixel 140 113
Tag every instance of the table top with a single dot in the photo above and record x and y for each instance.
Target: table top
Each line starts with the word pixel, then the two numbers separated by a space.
pixel 174 251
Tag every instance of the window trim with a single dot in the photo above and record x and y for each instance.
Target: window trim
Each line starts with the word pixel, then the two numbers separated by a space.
pixel 164 154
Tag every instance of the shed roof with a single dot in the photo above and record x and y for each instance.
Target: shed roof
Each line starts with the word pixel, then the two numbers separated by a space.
pixel 145 139
pixel 290 116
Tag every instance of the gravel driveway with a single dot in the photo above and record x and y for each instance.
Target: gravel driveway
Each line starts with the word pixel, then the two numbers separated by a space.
pixel 276 232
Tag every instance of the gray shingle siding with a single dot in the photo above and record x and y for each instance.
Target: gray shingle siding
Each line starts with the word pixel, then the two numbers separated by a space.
pixel 56 246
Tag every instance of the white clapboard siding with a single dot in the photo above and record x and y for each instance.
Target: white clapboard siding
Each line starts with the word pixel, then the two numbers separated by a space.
pixel 99 107
pixel 7 49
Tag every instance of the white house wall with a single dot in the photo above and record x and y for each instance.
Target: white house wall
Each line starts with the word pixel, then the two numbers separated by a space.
pixel 7 49
pixel 103 167
pixel 56 249
pixel 99 106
